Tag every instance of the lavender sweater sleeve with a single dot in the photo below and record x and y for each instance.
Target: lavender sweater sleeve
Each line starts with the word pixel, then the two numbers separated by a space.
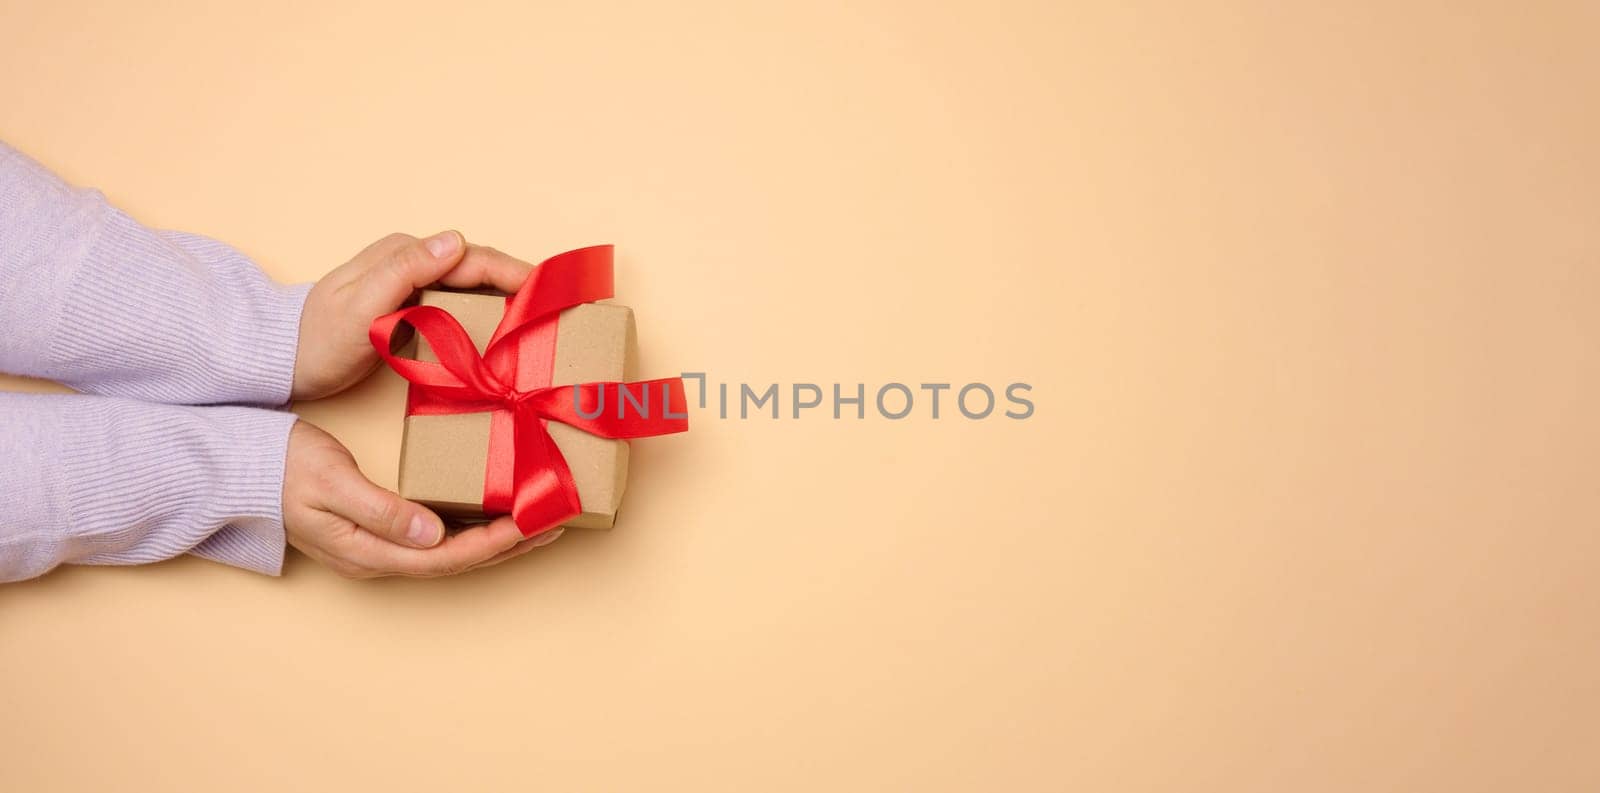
pixel 92 299
pixel 104 480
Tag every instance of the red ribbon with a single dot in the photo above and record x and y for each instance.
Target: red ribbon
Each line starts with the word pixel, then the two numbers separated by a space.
pixel 526 475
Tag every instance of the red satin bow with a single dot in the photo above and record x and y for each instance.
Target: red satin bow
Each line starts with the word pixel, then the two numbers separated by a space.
pixel 527 476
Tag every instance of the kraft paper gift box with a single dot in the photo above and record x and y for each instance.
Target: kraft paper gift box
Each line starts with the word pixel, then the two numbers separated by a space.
pixel 443 457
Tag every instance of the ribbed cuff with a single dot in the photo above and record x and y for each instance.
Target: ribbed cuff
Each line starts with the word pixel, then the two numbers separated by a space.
pixel 254 363
pixel 260 366
pixel 152 482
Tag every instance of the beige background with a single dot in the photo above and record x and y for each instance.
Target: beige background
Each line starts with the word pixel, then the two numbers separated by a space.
pixel 1307 297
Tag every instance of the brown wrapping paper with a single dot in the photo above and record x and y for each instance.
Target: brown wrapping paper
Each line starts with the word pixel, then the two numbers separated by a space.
pixel 442 458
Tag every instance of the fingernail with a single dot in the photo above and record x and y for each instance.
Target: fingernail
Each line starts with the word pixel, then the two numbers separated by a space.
pixel 443 245
pixel 424 532
pixel 546 538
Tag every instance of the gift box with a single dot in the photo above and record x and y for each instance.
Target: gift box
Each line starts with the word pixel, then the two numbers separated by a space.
pixel 522 405
pixel 594 342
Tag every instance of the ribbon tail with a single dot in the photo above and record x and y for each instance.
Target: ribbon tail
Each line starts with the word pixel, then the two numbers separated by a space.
pixel 545 495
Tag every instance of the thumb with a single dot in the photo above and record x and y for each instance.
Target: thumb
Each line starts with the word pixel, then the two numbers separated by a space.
pixel 352 496
pixel 413 264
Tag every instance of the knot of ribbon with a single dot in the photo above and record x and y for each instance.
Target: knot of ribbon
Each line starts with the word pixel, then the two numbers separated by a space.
pixel 526 474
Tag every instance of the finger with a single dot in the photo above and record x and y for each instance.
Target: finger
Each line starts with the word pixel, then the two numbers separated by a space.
pixel 458 553
pixel 536 541
pixel 516 550
pixel 350 495
pixel 410 265
pixel 485 266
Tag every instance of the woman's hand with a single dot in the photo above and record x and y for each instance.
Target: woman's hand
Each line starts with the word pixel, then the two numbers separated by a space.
pixel 334 352
pixel 331 511
pixel 333 514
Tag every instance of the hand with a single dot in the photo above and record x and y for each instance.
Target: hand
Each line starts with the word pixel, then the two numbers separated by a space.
pixel 334 352
pixel 335 515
